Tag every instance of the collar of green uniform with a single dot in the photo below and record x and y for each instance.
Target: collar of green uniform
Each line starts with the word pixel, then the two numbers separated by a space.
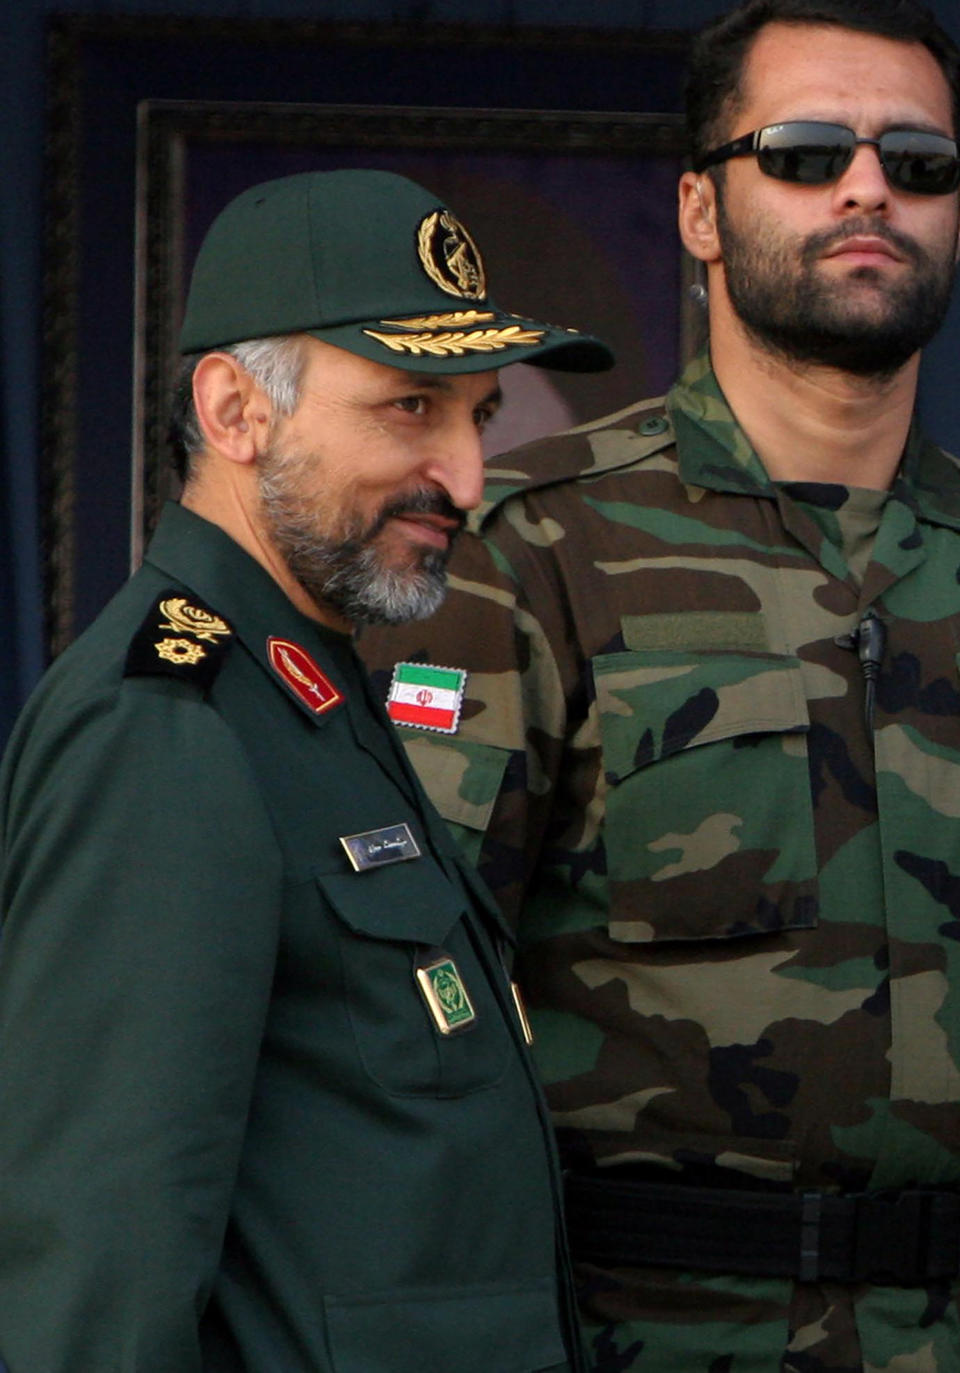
pixel 713 450
pixel 929 480
pixel 715 453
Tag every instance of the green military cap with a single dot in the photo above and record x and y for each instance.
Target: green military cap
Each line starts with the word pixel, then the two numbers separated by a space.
pixel 372 263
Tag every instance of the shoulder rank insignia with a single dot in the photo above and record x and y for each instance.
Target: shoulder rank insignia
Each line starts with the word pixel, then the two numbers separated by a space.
pixel 302 675
pixel 180 637
pixel 426 697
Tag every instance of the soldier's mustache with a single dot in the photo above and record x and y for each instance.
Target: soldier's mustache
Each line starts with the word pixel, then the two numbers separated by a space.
pixel 419 503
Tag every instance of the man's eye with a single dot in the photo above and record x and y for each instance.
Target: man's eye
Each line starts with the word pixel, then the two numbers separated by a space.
pixel 413 405
pixel 482 416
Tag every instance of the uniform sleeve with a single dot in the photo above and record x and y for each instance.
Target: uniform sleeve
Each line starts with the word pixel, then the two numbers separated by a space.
pixel 140 900
pixel 494 781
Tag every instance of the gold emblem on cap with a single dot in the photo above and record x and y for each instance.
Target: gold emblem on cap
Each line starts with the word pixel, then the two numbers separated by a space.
pixel 456 342
pixel 180 651
pixel 450 257
pixel 190 619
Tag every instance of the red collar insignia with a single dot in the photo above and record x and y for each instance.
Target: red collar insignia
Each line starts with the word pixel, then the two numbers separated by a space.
pixel 300 672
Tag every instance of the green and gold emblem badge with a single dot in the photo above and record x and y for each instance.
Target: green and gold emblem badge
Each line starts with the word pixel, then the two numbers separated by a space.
pixel 446 996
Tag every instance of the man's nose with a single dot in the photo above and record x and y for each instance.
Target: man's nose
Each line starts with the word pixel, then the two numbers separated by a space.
pixel 457 465
pixel 863 185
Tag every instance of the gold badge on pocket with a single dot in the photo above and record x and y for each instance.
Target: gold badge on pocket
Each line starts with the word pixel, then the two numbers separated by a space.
pixel 442 988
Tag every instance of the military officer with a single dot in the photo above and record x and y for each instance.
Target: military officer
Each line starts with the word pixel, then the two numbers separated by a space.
pixel 708 754
pixel 267 1103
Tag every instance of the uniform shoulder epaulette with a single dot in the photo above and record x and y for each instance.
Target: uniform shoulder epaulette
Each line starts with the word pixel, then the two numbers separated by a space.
pixel 618 440
pixel 179 637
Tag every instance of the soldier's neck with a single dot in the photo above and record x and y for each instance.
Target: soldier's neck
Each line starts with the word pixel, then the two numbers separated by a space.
pixel 815 424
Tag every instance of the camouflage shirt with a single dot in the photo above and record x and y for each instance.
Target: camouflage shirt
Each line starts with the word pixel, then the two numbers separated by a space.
pixel 737 898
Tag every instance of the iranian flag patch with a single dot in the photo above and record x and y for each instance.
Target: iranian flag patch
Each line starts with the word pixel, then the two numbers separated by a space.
pixel 427 697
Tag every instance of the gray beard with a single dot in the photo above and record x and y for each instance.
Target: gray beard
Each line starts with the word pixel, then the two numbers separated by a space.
pixel 351 579
pixel 347 573
pixel 801 317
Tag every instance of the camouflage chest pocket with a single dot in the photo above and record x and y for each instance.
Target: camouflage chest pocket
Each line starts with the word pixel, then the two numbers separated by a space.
pixel 709 821
pixel 391 924
pixel 463 780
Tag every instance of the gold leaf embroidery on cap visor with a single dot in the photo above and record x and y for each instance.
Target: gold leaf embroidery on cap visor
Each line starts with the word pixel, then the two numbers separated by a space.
pixel 457 342
pixel 456 319
pixel 450 257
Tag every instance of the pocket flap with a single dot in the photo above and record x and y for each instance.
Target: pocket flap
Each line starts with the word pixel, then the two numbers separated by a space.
pixel 653 704
pixel 461 777
pixel 411 901
pixel 513 1329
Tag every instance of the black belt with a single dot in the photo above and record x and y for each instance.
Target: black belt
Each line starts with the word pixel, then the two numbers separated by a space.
pixel 904 1238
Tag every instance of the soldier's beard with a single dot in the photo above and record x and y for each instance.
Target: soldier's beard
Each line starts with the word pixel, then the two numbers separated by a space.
pixel 859 325
pixel 342 565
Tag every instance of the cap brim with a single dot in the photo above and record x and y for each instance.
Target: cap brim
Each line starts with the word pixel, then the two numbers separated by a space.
pixel 479 340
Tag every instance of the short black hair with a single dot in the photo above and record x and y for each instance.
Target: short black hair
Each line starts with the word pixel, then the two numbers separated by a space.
pixel 719 53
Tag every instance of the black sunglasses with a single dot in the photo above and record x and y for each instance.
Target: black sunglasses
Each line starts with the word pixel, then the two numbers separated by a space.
pixel 813 153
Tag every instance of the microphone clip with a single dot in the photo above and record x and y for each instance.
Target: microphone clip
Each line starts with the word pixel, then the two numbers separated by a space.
pixel 869 638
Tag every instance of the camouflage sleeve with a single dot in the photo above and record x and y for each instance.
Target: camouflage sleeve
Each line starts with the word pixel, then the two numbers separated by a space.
pixel 494 778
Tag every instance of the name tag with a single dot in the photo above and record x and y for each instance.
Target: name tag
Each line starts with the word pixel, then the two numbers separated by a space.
pixel 375 848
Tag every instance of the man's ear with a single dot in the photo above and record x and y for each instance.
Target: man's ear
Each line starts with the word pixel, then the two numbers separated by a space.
pixel 232 410
pixel 698 216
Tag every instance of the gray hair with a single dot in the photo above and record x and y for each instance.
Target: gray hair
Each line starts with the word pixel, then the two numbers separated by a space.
pixel 275 364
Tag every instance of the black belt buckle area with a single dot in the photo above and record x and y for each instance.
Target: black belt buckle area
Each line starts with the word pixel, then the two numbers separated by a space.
pixel 902 1238
pixel 906 1238
pixel 899 1238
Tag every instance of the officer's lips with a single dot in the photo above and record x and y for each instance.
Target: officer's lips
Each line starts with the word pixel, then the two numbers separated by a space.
pixel 436 530
pixel 425 517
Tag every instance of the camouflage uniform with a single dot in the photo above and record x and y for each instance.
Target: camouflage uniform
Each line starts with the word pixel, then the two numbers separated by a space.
pixel 738 904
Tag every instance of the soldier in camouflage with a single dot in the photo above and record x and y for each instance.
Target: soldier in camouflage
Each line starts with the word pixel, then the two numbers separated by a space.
pixel 709 749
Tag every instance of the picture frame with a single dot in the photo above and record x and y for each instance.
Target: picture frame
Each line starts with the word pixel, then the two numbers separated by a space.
pixel 139 164
pixel 560 203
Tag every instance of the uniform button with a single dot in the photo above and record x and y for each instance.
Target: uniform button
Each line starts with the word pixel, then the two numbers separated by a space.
pixel 656 424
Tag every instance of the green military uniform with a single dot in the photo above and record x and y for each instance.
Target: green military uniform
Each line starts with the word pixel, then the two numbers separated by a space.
pixel 233 1136
pixel 738 897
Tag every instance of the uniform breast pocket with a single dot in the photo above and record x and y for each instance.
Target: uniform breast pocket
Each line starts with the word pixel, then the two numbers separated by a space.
pixel 709 822
pixel 417 981
pixel 462 779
